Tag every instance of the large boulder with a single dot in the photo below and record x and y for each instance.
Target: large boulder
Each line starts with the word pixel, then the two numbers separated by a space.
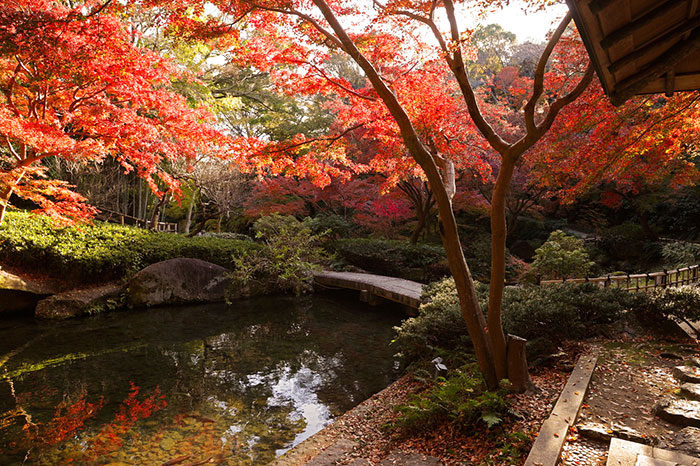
pixel 80 302
pixel 178 281
pixel 20 295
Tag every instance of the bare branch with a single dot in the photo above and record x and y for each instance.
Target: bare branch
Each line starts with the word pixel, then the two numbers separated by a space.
pixel 340 85
pixel 330 140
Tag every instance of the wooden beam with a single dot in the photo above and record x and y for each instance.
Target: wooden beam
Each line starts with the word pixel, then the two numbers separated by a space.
pixel 670 83
pixel 658 41
pixel 664 64
pixel 596 6
pixel 630 28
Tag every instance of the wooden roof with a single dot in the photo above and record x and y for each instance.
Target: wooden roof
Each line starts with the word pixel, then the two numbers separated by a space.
pixel 641 46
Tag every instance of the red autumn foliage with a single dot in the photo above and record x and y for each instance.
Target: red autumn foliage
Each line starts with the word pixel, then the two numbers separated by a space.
pixel 75 87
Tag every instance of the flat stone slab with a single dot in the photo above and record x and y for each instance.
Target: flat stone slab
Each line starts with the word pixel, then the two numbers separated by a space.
pixel 643 460
pixel 359 462
pixel 333 453
pixel 625 453
pixel 687 440
pixel 401 458
pixel 691 390
pixel 680 412
pixel 399 290
pixel 79 302
pixel 605 433
pixel 687 374
pixel 18 294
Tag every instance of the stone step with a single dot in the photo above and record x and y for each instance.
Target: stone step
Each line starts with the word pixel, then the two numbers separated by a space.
pixel 402 458
pixel 604 433
pixel 643 460
pixel 687 440
pixel 691 390
pixel 624 453
pixel 333 453
pixel 680 412
pixel 689 374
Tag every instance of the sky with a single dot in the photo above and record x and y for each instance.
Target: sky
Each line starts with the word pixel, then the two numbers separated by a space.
pixel 531 26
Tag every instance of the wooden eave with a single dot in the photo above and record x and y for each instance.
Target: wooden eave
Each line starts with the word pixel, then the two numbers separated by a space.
pixel 641 46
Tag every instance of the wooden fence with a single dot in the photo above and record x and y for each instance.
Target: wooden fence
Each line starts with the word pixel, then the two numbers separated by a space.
pixel 123 219
pixel 641 281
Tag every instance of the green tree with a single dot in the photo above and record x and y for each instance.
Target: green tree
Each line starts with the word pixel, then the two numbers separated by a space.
pixel 561 256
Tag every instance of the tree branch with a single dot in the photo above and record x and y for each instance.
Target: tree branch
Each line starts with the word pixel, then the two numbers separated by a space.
pixel 538 85
pixel 458 68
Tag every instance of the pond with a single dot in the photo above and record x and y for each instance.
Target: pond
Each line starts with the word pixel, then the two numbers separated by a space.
pixel 239 384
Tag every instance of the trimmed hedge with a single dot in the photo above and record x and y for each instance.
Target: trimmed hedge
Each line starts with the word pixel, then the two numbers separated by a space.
pixel 102 251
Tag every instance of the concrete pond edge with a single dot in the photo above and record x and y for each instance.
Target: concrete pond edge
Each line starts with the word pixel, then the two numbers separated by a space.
pixel 550 440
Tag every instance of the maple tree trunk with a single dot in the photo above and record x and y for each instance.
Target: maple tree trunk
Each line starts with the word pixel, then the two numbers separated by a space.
pixel 469 303
pixel 156 212
pixel 498 265
pixel 5 196
pixel 509 356
pixel 420 226
pixel 188 221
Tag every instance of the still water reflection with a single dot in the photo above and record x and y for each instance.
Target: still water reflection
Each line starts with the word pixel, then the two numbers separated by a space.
pixel 238 384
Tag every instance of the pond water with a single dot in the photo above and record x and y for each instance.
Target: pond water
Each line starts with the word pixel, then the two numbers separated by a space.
pixel 239 384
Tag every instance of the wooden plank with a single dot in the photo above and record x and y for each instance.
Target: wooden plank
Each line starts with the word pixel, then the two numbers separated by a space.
pixel 659 10
pixel 394 289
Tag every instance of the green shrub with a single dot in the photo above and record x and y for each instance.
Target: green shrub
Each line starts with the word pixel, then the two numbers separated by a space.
pixel 561 311
pixel 680 304
pixel 227 235
pixel 439 323
pixel 561 256
pixel 545 315
pixel 285 263
pixel 393 258
pixel 331 226
pixel 680 254
pixel 460 398
pixel 102 251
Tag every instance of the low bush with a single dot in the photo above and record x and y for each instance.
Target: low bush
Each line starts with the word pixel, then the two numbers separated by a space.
pixel 394 258
pixel 562 311
pixel 679 304
pixel 439 324
pixel 460 398
pixel 545 315
pixel 331 226
pixel 102 251
pixel 285 263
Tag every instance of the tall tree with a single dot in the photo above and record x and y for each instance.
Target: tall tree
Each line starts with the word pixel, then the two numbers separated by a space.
pixel 76 87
